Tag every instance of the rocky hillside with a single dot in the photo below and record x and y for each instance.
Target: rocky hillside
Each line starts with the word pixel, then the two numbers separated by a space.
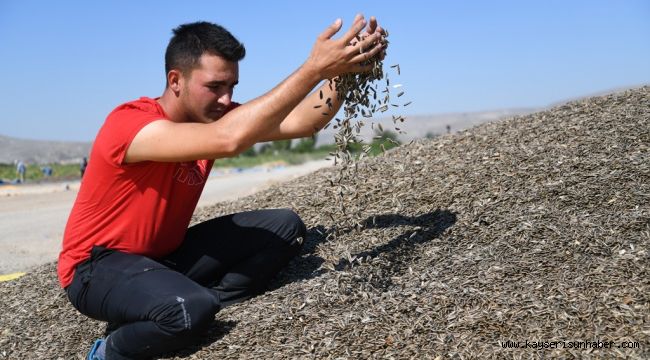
pixel 536 228
pixel 41 152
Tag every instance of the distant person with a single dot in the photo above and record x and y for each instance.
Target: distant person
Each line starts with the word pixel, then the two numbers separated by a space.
pixel 20 171
pixel 448 129
pixel 47 171
pixel 82 166
pixel 128 257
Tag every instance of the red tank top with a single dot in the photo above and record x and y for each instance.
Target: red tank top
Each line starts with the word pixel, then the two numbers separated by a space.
pixel 141 208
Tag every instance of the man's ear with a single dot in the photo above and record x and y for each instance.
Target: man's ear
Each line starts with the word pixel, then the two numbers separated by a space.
pixel 174 81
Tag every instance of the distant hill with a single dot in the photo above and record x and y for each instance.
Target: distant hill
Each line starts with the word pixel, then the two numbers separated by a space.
pixel 419 126
pixel 41 152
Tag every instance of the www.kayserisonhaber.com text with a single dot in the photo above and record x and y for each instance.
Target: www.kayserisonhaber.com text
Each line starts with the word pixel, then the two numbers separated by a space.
pixel 542 345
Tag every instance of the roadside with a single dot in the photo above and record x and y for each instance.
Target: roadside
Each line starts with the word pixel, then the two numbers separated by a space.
pixel 33 216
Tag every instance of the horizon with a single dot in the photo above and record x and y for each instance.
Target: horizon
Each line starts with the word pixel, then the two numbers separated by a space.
pixel 69 64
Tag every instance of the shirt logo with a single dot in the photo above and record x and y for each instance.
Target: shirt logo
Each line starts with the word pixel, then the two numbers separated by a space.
pixel 190 173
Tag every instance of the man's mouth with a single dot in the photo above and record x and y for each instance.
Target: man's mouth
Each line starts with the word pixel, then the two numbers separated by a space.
pixel 217 112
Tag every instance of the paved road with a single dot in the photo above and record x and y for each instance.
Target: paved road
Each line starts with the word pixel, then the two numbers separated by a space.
pixel 33 217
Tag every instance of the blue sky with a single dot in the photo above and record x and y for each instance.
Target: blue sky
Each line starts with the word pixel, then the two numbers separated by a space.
pixel 66 64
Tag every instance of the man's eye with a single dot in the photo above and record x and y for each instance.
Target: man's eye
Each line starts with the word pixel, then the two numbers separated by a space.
pixel 219 87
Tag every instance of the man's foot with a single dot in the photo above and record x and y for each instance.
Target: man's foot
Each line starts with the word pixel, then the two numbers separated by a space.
pixel 98 351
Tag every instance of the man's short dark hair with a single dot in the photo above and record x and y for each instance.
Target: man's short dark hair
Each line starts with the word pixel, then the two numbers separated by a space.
pixel 190 41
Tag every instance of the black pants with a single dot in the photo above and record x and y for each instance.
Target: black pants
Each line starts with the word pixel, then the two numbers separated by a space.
pixel 160 305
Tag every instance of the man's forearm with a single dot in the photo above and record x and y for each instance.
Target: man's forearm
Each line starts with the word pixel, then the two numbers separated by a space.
pixel 309 116
pixel 317 109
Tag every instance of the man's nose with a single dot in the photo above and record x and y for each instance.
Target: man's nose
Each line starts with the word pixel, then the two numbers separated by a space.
pixel 226 99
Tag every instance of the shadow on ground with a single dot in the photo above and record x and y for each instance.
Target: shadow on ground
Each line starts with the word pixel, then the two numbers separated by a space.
pixel 309 265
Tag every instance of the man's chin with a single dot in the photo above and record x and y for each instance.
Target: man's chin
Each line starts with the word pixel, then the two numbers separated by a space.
pixel 213 116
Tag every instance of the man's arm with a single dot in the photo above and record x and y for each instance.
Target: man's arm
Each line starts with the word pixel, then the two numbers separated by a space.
pixel 308 117
pixel 242 127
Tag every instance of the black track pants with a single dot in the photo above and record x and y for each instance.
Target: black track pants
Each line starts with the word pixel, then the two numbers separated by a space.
pixel 160 305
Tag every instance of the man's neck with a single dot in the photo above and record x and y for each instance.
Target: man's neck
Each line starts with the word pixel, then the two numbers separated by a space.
pixel 171 106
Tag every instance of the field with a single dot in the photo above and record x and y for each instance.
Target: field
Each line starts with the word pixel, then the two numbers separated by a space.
pixel 34 172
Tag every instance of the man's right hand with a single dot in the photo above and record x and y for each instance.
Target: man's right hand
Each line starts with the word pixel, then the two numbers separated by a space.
pixel 332 57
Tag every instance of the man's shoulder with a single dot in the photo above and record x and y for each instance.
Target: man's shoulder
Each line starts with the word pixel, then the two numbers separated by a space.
pixel 123 123
pixel 142 105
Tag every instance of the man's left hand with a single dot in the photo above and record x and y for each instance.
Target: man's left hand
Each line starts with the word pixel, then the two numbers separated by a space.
pixel 371 28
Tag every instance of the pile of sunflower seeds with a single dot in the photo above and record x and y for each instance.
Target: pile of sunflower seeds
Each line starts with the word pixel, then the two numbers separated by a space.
pixel 532 229
pixel 363 95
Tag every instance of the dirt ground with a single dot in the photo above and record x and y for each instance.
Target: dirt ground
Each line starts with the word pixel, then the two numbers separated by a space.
pixel 33 217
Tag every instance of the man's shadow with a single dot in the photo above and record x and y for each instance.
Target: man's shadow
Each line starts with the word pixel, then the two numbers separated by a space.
pixel 309 265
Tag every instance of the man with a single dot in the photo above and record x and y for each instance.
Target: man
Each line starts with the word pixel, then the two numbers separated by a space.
pixel 128 257
pixel 20 171
pixel 82 166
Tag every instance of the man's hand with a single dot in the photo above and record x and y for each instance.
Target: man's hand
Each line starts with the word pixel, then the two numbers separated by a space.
pixel 331 57
pixel 373 28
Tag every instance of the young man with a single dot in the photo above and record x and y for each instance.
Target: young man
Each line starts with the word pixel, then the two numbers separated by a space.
pixel 128 257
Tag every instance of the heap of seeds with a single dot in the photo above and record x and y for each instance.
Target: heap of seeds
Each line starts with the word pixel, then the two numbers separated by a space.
pixel 363 96
pixel 532 228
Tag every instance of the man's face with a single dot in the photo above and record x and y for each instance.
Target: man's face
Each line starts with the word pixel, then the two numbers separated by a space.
pixel 207 90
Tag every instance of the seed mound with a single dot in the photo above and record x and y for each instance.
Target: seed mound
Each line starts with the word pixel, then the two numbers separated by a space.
pixel 532 228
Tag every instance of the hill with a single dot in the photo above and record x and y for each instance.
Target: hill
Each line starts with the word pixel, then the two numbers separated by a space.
pixel 420 126
pixel 40 151
pixel 535 228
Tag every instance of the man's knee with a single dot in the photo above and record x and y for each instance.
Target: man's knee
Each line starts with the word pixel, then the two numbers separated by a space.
pixel 186 314
pixel 293 230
